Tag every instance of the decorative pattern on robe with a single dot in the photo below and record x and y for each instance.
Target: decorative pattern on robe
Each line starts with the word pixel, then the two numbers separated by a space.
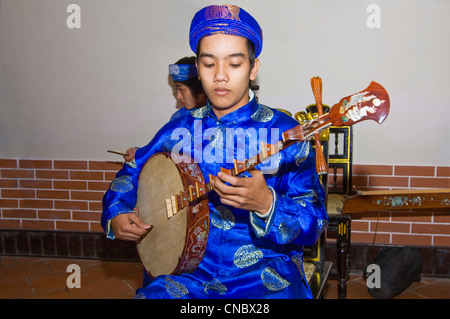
pixel 246 256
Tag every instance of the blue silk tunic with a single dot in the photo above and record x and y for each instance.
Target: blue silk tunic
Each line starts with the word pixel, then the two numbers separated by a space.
pixel 180 113
pixel 246 256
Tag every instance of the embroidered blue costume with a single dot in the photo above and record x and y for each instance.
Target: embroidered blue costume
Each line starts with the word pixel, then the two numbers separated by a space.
pixel 247 255
pixel 180 113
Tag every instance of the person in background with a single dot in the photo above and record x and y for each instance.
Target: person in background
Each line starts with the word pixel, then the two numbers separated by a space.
pixel 188 88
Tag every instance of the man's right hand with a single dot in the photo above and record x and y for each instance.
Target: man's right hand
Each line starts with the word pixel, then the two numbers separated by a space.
pixel 129 226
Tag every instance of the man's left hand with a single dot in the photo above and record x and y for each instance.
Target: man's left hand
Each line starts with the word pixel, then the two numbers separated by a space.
pixel 249 193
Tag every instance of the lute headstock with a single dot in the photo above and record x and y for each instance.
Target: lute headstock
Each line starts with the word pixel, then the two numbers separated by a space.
pixel 371 103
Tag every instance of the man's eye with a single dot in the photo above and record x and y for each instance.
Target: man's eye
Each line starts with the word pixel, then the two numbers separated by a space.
pixel 235 65
pixel 208 65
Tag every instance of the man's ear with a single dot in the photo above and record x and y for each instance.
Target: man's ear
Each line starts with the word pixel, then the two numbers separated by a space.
pixel 254 71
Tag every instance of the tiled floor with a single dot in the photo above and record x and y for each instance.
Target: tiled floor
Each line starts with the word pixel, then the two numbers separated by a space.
pixel 427 288
pixel 46 278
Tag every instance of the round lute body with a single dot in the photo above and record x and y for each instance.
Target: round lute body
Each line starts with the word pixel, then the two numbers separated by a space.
pixel 177 242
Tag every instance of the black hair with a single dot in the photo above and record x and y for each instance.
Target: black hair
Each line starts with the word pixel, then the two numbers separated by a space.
pixel 251 53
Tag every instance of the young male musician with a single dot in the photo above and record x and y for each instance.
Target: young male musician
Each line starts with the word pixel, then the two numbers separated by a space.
pixel 259 222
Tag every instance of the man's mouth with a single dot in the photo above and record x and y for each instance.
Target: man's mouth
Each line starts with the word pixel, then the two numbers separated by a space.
pixel 221 91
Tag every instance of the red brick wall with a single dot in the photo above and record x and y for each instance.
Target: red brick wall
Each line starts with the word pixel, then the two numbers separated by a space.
pixel 66 195
pixel 53 194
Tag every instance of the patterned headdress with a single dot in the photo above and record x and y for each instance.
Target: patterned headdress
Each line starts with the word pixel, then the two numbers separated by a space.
pixel 225 19
pixel 182 72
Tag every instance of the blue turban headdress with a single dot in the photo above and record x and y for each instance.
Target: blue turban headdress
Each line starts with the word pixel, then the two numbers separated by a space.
pixel 182 72
pixel 226 19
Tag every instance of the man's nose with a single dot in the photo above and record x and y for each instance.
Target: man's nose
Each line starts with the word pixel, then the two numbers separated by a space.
pixel 221 74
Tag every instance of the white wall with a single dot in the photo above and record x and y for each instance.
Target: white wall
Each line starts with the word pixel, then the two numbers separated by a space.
pixel 74 93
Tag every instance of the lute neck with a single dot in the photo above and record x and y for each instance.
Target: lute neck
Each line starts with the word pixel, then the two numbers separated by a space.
pixel 370 104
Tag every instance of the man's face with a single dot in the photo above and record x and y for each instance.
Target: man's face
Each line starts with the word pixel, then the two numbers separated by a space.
pixel 224 69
